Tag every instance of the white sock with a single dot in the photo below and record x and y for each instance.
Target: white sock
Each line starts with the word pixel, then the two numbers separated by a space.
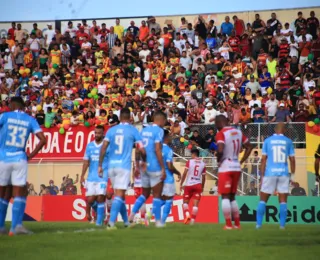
pixel 226 208
pixel 186 209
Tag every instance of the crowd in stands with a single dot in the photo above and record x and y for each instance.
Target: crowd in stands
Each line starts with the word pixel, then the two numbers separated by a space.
pixel 263 71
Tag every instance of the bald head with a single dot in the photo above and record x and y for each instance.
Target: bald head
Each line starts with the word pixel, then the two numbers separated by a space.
pixel 280 128
pixel 221 121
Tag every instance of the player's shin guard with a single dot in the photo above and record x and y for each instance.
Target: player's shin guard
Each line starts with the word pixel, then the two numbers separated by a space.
pixel 186 210
pixel 260 213
pixel 226 209
pixel 100 214
pixel 143 211
pixel 283 214
pixel 235 213
pixel 137 205
pixel 18 204
pixel 156 206
pixel 166 210
pixel 108 205
pixel 3 211
pixel 124 213
pixel 21 214
pixel 115 209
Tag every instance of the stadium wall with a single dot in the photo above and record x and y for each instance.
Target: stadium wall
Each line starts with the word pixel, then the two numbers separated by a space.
pixel 284 15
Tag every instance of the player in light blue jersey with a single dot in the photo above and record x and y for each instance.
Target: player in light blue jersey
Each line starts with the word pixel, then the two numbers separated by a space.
pixel 275 173
pixel 120 139
pixel 169 187
pixel 95 185
pixel 15 128
pixel 152 138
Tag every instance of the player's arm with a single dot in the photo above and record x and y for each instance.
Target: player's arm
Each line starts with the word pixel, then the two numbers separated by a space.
pixel 203 178
pixel 292 160
pixel 263 165
pixel 85 166
pixel 158 150
pixel 102 155
pixel 220 139
pixel 317 163
pixel 184 175
pixel 42 142
pixel 247 147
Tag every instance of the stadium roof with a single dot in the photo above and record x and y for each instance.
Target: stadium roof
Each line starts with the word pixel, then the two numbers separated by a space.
pixel 44 10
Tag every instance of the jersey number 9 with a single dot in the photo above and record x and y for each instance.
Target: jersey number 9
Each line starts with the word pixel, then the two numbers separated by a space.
pixel 119 143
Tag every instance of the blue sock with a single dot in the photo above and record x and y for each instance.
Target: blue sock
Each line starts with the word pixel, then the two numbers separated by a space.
pixel 100 213
pixel 21 214
pixel 283 214
pixel 156 207
pixel 260 212
pixel 166 211
pixel 115 209
pixel 94 206
pixel 18 204
pixel 124 213
pixel 138 204
pixel 3 211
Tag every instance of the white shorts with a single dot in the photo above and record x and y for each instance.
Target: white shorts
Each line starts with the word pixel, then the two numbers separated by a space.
pixel 120 178
pixel 95 188
pixel 275 183
pixel 169 189
pixel 150 179
pixel 14 173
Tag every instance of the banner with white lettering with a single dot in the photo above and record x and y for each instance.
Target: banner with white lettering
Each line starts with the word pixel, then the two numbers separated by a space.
pixel 71 144
pixel 73 208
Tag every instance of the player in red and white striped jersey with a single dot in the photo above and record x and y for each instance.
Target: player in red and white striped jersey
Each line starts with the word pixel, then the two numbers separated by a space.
pixel 194 178
pixel 230 142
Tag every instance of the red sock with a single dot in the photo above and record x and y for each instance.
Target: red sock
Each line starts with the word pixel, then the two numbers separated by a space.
pixel 235 213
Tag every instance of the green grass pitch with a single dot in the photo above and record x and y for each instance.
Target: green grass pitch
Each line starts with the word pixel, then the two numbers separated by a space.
pixel 82 241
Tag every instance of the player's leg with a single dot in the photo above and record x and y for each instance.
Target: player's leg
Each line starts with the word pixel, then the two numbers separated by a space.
pixel 233 203
pixel 9 195
pixel 19 181
pixel 283 189
pixel 5 180
pixel 187 195
pixel 146 191
pixel 137 194
pixel 224 188
pixel 120 179
pixel 168 192
pixel 268 186
pixel 101 192
pixel 157 187
pixel 91 200
pixel 196 201
pixel 109 196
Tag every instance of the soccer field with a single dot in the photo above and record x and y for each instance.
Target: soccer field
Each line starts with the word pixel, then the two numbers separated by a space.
pixel 83 241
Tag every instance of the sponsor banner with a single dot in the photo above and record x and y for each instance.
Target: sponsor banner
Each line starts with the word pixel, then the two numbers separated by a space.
pixel 301 210
pixel 33 210
pixel 73 208
pixel 72 144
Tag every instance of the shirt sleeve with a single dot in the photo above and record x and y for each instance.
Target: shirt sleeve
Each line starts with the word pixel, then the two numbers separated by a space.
pixel 169 156
pixel 188 164
pixel 159 136
pixel 87 154
pixel 35 128
pixel 220 138
pixel 108 136
pixel 2 119
pixel 291 149
pixel 264 148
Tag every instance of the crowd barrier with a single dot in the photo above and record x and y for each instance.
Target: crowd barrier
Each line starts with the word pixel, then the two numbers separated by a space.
pixel 301 210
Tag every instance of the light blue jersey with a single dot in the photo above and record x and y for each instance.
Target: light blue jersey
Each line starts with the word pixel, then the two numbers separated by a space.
pixel 277 148
pixel 150 136
pixel 92 155
pixel 15 128
pixel 167 154
pixel 121 140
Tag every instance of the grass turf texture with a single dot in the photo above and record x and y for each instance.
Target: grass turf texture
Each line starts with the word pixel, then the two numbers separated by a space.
pixel 83 241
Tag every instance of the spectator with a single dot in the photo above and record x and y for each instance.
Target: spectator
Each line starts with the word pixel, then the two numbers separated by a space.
pixel 252 190
pixel 226 27
pixel 43 190
pixel 302 114
pixel 297 190
pixel 68 186
pixel 53 190
pixel 258 114
pixel 253 85
pixel 31 191
pixel 282 115
pixel 209 114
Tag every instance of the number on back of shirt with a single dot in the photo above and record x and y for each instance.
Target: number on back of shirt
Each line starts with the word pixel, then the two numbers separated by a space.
pixel 119 142
pixel 17 135
pixel 279 155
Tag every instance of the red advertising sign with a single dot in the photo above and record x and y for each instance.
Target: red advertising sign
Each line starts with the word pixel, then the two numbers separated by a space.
pixel 72 144
pixel 73 208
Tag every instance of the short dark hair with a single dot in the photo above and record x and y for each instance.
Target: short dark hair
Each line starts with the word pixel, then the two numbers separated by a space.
pixel 125 113
pixel 18 100
pixel 195 151
pixel 100 127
